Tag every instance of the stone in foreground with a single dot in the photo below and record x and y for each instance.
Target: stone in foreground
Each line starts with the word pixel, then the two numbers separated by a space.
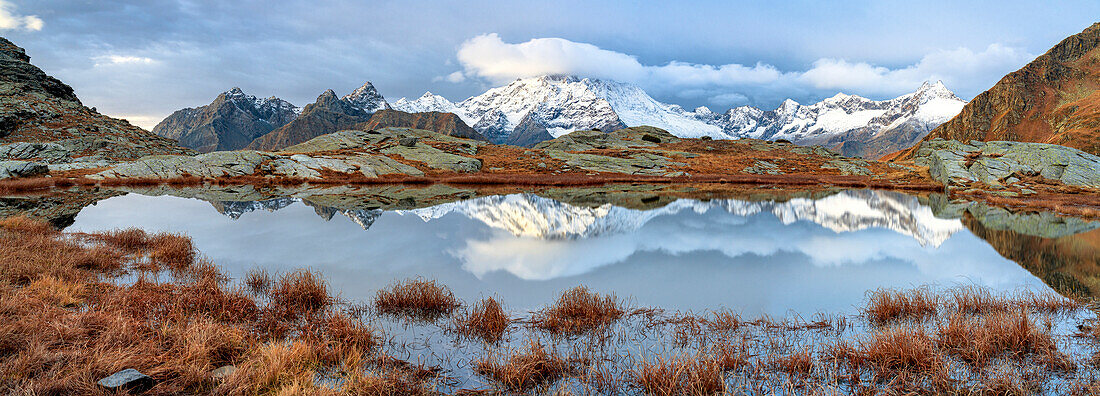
pixel 128 380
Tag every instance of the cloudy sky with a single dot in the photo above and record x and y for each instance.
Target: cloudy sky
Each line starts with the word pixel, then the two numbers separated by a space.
pixel 143 59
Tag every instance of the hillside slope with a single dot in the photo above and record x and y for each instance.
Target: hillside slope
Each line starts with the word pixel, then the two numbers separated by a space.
pixel 1054 99
pixel 37 108
pixel 445 123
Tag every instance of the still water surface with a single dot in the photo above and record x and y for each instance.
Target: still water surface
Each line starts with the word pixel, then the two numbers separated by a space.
pixel 778 258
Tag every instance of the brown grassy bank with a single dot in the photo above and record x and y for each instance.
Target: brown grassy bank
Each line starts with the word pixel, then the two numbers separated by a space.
pixel 77 307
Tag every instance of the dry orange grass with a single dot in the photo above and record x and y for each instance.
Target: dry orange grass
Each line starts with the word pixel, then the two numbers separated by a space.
pixel 578 311
pixel 525 370
pixel 799 363
pixel 64 322
pixel 485 320
pixel 173 250
pixel 258 281
pixel 679 375
pixel 905 351
pixel 887 306
pixel 980 340
pixel 416 298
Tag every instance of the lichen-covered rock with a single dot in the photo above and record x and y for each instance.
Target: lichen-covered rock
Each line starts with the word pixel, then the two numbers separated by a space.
pixel 256 163
pixel 623 138
pixel 14 169
pixel 995 163
pixel 435 158
pixel 215 164
pixel 650 164
pixel 763 168
pixel 357 139
pixel 848 166
pixel 46 152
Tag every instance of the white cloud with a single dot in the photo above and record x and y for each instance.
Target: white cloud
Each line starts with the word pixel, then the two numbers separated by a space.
pixel 968 72
pixel 957 68
pixel 490 57
pixel 455 77
pixel 10 20
pixel 123 60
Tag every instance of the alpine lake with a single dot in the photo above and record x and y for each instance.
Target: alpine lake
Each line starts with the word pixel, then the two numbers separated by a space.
pixel 785 257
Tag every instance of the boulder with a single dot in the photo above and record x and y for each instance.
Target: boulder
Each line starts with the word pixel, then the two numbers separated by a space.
pixel 14 169
pixel 128 380
pixel 407 142
pixel 995 163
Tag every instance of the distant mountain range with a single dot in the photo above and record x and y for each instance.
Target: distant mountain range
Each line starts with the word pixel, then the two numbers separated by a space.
pixel 531 110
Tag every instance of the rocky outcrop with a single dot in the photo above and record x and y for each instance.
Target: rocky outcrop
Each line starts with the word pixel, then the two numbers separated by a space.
pixel 1054 99
pixel 619 139
pixel 255 163
pixel 44 152
pixel 444 123
pixel 328 114
pixel 232 121
pixel 37 108
pixel 435 158
pixel 999 163
pixel 364 139
pixel 14 169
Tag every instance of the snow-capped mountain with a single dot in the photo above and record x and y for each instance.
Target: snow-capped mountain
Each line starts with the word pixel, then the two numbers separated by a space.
pixel 430 102
pixel 557 105
pixel 528 215
pixel 366 98
pixel 931 105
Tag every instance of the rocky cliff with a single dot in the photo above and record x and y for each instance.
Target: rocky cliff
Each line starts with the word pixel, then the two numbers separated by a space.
pixel 1054 99
pixel 36 108
pixel 232 121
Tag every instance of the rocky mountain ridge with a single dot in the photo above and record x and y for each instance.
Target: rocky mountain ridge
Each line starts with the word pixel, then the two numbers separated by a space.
pixel 232 121
pixel 530 110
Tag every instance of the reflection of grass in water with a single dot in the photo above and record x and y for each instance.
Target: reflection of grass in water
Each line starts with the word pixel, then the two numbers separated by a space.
pixel 182 318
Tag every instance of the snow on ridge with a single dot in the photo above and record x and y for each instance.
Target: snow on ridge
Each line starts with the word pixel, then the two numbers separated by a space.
pixel 567 103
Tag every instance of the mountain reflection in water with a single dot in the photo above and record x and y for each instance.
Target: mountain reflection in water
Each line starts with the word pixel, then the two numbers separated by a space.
pixel 801 254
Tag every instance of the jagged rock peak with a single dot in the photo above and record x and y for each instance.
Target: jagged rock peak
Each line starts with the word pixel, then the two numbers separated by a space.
pixel 366 98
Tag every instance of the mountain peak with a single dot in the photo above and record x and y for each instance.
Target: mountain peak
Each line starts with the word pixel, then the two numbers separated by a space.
pixel 788 105
pixel 366 98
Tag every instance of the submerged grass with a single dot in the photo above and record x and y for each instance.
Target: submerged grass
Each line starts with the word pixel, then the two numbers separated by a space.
pixel 578 311
pixel 486 320
pixel 67 318
pixel 417 299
